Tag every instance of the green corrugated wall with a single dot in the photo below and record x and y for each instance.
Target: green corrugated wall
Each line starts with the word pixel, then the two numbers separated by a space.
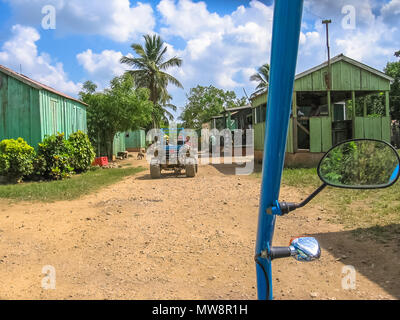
pixel 19 111
pixel 59 114
pixel 32 114
pixel 136 139
pixel 119 143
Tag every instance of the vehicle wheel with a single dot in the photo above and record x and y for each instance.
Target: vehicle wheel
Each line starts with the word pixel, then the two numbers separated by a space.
pixel 155 172
pixel 190 170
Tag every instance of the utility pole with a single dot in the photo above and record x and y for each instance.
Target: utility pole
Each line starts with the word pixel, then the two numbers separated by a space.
pixel 326 23
pixel 328 79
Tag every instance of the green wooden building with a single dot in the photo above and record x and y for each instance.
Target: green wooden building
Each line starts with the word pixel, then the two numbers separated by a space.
pixel 31 110
pixel 319 117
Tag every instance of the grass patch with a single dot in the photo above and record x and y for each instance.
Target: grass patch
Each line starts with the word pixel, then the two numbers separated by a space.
pixel 369 213
pixel 68 189
pixel 298 177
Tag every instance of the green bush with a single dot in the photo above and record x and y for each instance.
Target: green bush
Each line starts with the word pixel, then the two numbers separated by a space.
pixel 54 158
pixel 16 159
pixel 82 152
pixel 39 168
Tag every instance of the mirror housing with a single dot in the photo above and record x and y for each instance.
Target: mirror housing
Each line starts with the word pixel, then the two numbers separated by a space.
pixel 301 248
pixel 353 164
pixel 360 164
pixel 305 249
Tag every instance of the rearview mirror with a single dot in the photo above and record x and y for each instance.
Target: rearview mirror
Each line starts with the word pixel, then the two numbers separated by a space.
pixel 360 164
pixel 305 249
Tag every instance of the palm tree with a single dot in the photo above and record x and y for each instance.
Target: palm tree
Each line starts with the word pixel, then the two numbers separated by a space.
pixel 262 77
pixel 150 73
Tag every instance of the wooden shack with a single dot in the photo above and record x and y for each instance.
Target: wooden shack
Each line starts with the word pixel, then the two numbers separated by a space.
pixel 319 116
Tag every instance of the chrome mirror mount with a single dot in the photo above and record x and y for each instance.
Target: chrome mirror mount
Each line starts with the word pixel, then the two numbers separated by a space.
pixel 301 248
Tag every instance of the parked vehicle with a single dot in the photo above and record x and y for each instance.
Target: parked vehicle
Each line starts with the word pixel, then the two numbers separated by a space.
pixel 174 156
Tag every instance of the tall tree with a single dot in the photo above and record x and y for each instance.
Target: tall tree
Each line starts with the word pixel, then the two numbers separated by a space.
pixel 120 108
pixel 262 77
pixel 393 70
pixel 150 72
pixel 205 102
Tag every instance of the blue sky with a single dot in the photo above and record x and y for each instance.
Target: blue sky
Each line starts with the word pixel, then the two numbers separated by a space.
pixel 221 42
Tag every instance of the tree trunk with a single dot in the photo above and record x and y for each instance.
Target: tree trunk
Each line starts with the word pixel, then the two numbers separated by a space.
pixel 110 147
pixel 154 99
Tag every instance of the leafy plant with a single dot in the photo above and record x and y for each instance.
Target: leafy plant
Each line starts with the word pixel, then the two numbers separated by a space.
pixel 262 77
pixel 56 152
pixel 16 159
pixel 39 168
pixel 82 152
pixel 118 109
pixel 393 70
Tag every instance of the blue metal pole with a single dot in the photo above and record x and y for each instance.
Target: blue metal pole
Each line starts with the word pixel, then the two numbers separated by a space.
pixel 285 44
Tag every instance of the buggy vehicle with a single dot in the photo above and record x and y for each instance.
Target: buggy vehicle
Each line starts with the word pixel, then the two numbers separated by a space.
pixel 173 155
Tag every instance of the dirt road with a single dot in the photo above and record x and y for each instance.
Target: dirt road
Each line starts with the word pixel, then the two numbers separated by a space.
pixel 179 238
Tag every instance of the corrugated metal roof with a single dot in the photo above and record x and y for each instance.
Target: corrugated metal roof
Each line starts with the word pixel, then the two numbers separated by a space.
pixel 35 84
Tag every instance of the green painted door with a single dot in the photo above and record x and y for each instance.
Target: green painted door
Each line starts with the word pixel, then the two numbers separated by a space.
pixel 320 134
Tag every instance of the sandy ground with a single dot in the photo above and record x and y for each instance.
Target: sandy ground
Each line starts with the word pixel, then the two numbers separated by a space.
pixel 179 238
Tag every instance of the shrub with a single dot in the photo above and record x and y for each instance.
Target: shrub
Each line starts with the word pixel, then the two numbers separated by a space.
pixel 16 159
pixel 54 157
pixel 39 168
pixel 82 152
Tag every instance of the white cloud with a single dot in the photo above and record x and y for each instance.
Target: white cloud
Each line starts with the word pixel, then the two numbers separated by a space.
pixel 219 50
pixel 373 41
pixel 102 67
pixel 391 13
pixel 21 50
pixel 117 19
pixel 188 19
pixel 367 47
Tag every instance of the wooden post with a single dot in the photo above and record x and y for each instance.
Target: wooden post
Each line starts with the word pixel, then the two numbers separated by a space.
pixel 295 128
pixel 353 102
pixel 329 104
pixel 387 104
pixel 365 107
